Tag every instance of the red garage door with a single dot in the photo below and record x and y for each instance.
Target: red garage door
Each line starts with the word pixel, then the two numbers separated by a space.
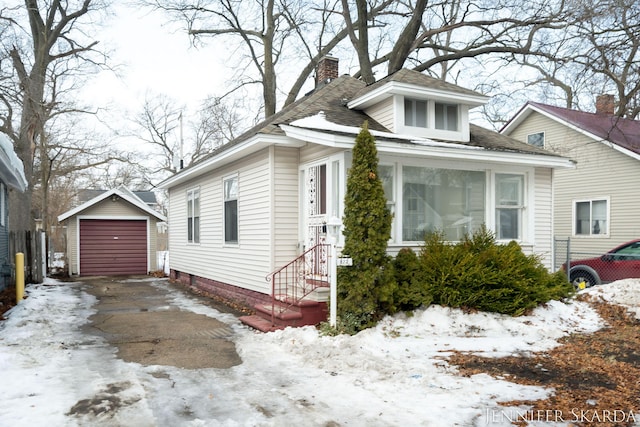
pixel 113 247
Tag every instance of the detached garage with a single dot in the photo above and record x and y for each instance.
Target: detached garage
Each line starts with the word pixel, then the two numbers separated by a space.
pixel 115 233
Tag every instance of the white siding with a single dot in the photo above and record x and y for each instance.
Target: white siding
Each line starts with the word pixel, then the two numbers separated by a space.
pixel 383 113
pixel 543 211
pixel 244 264
pixel 313 152
pixel 286 212
pixel 601 172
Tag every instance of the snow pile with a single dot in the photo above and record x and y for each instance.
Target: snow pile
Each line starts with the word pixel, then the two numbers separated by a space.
pixel 623 292
pixel 393 374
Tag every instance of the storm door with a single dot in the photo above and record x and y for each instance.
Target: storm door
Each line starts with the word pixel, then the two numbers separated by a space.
pixel 315 205
pixel 321 199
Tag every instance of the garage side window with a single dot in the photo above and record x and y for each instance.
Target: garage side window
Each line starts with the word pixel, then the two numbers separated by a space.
pixel 231 210
pixel 193 215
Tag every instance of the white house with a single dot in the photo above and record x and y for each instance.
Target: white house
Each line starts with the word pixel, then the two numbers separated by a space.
pixel 255 204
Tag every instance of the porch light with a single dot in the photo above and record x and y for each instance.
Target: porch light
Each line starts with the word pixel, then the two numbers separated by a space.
pixel 333 228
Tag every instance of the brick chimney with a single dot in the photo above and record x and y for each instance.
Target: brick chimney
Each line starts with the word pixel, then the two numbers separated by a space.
pixel 327 70
pixel 605 104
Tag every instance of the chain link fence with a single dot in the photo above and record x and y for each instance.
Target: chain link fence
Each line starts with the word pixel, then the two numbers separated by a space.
pixel 594 268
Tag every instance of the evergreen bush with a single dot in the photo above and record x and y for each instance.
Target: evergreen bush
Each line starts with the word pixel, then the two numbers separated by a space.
pixel 411 291
pixel 478 273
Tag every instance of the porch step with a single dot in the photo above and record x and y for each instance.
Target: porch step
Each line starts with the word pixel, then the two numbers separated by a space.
pixel 302 313
pixel 282 313
pixel 259 323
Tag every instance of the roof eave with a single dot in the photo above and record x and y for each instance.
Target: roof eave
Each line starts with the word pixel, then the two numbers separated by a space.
pixel 415 91
pixel 249 146
pixel 125 195
pixel 432 149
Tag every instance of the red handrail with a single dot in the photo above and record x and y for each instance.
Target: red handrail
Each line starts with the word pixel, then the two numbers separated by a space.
pixel 297 279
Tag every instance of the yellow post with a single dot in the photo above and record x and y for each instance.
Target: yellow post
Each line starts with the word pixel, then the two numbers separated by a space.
pixel 19 276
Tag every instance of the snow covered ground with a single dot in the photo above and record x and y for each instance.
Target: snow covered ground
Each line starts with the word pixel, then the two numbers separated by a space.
pixel 393 375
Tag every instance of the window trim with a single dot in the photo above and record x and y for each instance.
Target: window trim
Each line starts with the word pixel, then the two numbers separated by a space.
pixel 523 220
pixel 193 238
pixel 430 131
pixel 574 212
pixel 225 179
pixel 414 102
pixel 391 203
pixel 401 201
pixel 544 139
pixel 445 117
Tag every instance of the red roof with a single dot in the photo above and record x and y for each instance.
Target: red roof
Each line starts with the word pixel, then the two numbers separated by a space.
pixel 620 131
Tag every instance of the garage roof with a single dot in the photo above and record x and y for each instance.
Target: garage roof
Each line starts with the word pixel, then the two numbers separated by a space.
pixel 121 192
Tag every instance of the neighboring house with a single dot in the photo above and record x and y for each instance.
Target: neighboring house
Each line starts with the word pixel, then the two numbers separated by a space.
pixel 596 204
pixel 12 178
pixel 114 233
pixel 258 202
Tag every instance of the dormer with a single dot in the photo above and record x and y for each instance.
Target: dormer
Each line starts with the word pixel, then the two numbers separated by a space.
pixel 411 103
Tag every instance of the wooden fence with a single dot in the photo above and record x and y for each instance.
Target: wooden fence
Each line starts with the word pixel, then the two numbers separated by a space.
pixel 33 245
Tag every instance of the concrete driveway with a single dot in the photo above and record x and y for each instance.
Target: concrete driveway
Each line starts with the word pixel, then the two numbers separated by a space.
pixel 140 320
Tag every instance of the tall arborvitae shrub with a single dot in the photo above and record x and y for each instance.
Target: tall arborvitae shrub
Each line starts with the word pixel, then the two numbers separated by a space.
pixel 366 288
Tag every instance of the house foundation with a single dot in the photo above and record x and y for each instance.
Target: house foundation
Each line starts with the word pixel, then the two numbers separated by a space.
pixel 245 298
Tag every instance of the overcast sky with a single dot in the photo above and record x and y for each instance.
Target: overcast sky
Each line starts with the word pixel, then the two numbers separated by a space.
pixel 154 57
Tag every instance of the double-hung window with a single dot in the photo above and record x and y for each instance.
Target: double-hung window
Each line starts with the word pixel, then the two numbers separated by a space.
pixel 193 215
pixel 509 206
pixel 446 116
pixel 591 217
pixel 230 186
pixel 415 113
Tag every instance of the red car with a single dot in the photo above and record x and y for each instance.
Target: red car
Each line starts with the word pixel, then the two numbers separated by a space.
pixel 622 262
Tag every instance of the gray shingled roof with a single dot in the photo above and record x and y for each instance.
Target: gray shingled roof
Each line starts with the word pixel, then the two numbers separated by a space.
pixel 332 98
pixel 418 79
pixel 84 195
pixel 481 137
pixel 329 98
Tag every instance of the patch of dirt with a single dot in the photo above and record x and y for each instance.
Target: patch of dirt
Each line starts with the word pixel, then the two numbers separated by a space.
pixel 7 300
pixel 595 377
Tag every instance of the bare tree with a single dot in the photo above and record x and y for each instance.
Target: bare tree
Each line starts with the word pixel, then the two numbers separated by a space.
pixel 596 53
pixel 170 137
pixel 438 37
pixel 609 52
pixel 65 153
pixel 33 60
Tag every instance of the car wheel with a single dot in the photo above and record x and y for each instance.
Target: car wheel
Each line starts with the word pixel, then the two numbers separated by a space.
pixel 582 279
